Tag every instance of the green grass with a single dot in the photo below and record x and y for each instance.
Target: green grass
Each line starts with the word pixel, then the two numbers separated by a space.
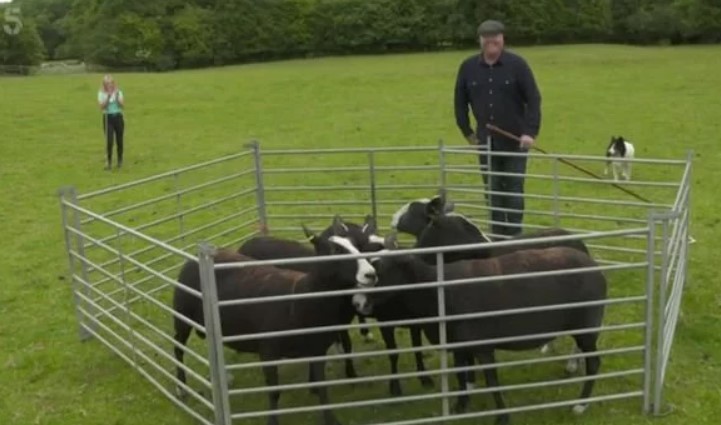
pixel 661 98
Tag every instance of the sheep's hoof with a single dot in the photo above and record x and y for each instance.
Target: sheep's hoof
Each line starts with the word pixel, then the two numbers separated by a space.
pixel 180 392
pixel 427 382
pixel 545 349
pixel 572 366
pixel 579 409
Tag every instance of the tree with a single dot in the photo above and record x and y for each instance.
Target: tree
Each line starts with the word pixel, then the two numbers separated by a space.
pixel 21 47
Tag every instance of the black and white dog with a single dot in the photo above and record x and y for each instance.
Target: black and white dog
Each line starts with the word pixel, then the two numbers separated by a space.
pixel 619 148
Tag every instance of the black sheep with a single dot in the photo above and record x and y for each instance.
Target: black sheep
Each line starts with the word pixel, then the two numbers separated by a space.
pixel 263 281
pixel 504 294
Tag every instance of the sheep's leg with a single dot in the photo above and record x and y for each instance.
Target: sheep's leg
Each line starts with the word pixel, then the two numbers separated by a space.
pixel 182 333
pixel 491 374
pixel 365 331
pixel 389 338
pixel 573 364
pixel 345 342
pixel 271 380
pixel 460 360
pixel 318 369
pixel 587 344
pixel 416 341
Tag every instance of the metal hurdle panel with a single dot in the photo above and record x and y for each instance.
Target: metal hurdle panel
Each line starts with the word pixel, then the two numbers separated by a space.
pixel 125 248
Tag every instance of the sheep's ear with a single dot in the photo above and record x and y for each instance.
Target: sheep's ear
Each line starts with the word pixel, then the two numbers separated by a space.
pixel 369 225
pixel 435 207
pixel 391 240
pixel 338 227
pixel 308 233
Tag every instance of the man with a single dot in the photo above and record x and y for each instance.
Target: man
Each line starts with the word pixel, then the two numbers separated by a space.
pixel 501 90
pixel 111 102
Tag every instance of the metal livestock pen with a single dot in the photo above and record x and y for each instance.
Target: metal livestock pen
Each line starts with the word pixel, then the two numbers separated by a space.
pixel 125 245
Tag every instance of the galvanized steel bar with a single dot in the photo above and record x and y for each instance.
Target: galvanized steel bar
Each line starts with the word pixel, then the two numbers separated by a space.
pixel 373 195
pixel 433 372
pixel 434 250
pixel 214 336
pixel 432 396
pixel 135 352
pixel 140 293
pixel 528 408
pixel 648 339
pixel 451 318
pixel 343 151
pixel 661 320
pixel 175 194
pixel 72 202
pixel 598 201
pixel 152 380
pixel 334 293
pixel 177 237
pixel 436 347
pixel 194 209
pixel 468 150
pixel 161 176
pixel 532 176
pixel 442 334
pixel 259 187
pixel 131 231
pixel 322 188
pixel 348 169
pixel 555 214
pixel 64 193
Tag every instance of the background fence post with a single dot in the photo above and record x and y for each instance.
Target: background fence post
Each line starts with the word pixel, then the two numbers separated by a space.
pixel 68 195
pixel 259 187
pixel 489 181
pixel 214 335
pixel 648 338
pixel 442 334
pixel 556 195
pixel 372 168
pixel 442 164
pixel 179 205
pixel 662 318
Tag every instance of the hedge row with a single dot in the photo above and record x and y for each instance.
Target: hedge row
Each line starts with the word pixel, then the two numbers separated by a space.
pixel 170 34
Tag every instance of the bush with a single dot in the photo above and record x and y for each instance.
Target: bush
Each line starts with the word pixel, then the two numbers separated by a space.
pixel 21 48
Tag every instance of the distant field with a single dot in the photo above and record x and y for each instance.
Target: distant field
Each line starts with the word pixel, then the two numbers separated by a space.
pixel 663 99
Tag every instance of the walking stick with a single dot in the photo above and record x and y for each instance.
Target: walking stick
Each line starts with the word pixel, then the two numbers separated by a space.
pixel 581 169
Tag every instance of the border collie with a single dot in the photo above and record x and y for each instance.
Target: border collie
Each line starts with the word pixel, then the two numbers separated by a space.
pixel 619 148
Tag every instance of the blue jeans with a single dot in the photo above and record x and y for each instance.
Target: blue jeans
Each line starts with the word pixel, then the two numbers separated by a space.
pixel 511 206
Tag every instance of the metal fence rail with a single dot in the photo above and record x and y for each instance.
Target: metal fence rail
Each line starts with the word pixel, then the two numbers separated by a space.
pixel 124 253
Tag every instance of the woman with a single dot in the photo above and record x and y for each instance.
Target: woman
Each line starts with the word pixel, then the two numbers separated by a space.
pixel 111 102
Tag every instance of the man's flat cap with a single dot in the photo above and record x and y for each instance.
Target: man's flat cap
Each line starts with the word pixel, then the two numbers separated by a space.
pixel 490 27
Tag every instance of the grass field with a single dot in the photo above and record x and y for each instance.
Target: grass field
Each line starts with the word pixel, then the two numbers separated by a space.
pixel 663 99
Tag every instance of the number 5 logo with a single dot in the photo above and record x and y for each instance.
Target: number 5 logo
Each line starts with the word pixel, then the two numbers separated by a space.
pixel 13 25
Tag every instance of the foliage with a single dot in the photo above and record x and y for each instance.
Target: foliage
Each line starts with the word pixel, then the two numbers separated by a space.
pixel 21 47
pixel 166 34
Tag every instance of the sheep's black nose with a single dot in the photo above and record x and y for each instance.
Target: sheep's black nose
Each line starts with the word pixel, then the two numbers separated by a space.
pixel 371 276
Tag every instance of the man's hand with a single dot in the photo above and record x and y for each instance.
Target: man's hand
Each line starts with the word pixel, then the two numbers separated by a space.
pixel 472 140
pixel 527 142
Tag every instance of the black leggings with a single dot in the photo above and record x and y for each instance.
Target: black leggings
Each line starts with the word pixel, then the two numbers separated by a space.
pixel 113 127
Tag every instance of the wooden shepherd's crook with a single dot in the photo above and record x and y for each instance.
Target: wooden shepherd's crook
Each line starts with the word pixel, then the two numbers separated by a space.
pixel 581 169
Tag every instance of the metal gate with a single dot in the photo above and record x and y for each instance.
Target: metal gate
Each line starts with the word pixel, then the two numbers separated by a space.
pixel 125 248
